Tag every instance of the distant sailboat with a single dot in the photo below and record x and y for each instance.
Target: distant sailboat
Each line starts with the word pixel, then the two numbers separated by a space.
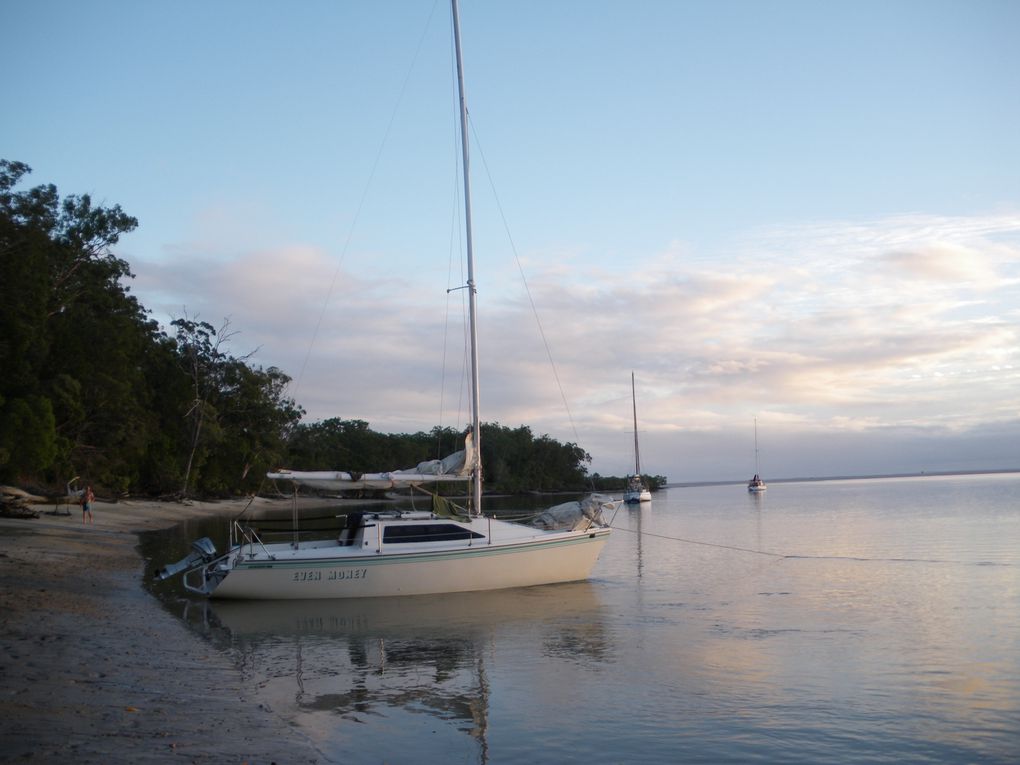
pixel 636 490
pixel 756 484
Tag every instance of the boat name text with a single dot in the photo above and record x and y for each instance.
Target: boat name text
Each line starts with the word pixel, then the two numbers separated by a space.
pixel 331 575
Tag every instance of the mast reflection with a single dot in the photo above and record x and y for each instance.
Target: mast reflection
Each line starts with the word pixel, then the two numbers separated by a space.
pixel 431 656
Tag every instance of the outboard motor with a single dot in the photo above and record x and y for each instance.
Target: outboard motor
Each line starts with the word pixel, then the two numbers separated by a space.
pixel 202 551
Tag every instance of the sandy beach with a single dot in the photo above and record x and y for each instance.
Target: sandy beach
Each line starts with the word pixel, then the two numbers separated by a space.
pixel 94 670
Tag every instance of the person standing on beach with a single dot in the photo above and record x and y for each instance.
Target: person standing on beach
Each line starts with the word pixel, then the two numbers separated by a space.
pixel 86 504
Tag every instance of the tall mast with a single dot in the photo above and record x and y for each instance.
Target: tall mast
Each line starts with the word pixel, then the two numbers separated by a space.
pixel 756 446
pixel 637 457
pixel 476 426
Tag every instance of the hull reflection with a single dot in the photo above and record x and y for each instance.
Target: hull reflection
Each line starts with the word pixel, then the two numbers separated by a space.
pixel 462 611
pixel 327 663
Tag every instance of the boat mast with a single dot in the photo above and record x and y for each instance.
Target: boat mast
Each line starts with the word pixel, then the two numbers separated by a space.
pixel 476 429
pixel 756 447
pixel 637 457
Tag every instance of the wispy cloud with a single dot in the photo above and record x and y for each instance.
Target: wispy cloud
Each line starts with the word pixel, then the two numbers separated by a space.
pixel 843 327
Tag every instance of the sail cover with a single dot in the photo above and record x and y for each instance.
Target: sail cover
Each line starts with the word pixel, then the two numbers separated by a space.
pixel 455 467
pixel 574 516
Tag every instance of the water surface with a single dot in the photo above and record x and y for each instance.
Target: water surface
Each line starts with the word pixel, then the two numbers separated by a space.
pixel 844 621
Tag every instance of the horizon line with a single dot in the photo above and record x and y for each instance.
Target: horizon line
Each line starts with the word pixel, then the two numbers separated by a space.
pixel 865 477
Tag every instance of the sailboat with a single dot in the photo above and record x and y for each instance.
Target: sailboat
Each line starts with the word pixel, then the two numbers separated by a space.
pixel 636 490
pixel 756 484
pixel 391 553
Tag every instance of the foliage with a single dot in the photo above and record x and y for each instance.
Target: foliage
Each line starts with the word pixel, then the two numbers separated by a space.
pixel 513 459
pixel 351 444
pixel 91 385
pixel 27 433
pixel 72 335
pixel 610 483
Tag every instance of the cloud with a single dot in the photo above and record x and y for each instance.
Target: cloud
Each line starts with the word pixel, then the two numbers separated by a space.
pixel 853 328
pixel 947 263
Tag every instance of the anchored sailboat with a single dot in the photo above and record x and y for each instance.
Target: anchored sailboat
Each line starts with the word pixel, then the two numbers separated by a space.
pixel 409 553
pixel 636 490
pixel 756 484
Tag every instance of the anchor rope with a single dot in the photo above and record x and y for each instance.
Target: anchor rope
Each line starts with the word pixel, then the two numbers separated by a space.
pixel 698 542
pixel 792 556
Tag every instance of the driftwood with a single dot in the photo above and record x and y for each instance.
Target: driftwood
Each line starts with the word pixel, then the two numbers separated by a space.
pixel 18 503
pixel 14 506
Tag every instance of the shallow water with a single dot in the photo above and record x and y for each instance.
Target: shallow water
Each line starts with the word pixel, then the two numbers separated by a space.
pixel 844 621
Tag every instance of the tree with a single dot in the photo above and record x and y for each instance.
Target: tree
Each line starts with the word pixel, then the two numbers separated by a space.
pixel 513 459
pixel 27 435
pixel 238 416
pixel 201 359
pixel 71 333
pixel 254 419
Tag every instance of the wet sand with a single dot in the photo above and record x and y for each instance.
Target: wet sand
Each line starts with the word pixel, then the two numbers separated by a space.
pixel 94 670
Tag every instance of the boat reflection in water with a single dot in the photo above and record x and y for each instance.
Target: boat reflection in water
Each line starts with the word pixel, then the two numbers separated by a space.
pixel 326 665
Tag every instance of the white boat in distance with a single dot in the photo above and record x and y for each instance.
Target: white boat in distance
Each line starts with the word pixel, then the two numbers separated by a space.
pixel 756 484
pixel 392 553
pixel 636 491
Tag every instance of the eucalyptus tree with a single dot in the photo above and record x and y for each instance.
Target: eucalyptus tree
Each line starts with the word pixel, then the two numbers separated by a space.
pixel 72 390
pixel 238 415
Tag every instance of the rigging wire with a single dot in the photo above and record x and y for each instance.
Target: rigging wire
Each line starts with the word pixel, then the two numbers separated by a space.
pixel 524 279
pixel 364 197
pixel 446 332
pixel 455 227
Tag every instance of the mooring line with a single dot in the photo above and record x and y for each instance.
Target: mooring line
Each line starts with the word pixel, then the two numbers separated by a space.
pixel 704 544
pixel 789 556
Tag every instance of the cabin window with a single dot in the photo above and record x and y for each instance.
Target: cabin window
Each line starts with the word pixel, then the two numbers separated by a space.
pixel 427 532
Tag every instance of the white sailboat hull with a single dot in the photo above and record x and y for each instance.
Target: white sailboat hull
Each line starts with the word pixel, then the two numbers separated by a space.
pixel 634 497
pixel 563 557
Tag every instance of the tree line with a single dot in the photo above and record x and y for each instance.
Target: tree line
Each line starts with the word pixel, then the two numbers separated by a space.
pixel 92 386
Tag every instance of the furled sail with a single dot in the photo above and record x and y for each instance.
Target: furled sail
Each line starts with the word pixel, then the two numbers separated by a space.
pixel 454 467
pixel 575 516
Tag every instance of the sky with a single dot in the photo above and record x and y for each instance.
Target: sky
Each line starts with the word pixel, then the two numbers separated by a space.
pixel 800 215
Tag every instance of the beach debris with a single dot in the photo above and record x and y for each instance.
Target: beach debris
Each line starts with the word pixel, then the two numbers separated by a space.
pixel 18 503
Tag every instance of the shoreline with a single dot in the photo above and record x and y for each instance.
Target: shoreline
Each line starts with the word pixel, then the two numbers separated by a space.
pixel 94 670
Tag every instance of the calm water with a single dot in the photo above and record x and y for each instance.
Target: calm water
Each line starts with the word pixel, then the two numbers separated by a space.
pixel 847 621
